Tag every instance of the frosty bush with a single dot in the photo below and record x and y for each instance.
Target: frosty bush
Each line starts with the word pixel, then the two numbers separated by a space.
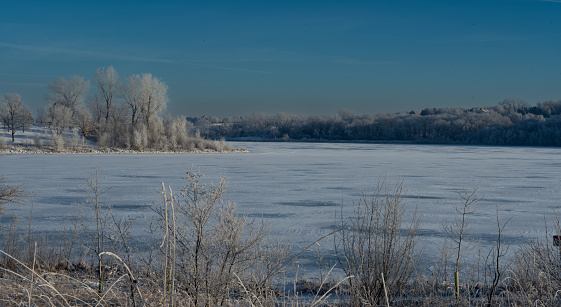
pixel 176 133
pixel 140 138
pixel 536 270
pixel 180 129
pixel 37 140
pixel 58 142
pixel 373 247
pixel 213 247
pixel 191 146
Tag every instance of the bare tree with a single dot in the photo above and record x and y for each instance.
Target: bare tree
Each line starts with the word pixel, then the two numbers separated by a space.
pixel 26 118
pixel 493 264
pixel 97 236
pixel 65 97
pixel 69 92
pixel 11 112
pixel 95 105
pixel 456 231
pixel 106 80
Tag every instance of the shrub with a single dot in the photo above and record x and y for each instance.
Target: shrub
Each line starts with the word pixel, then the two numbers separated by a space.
pixel 212 246
pixel 37 140
pixel 373 248
pixel 10 193
pixel 58 142
pixel 140 138
pixel 536 272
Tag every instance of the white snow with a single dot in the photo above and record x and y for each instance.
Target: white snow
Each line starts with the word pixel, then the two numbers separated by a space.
pixel 28 138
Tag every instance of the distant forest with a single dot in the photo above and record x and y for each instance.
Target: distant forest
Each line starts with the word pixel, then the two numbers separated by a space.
pixel 510 122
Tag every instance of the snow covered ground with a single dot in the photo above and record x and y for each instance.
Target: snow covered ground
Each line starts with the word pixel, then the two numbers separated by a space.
pixel 299 187
pixel 39 135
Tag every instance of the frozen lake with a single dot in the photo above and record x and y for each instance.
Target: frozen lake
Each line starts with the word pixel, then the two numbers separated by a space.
pixel 299 187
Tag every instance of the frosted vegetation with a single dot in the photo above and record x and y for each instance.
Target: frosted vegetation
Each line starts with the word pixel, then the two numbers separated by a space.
pixel 510 122
pixel 116 113
pixel 129 113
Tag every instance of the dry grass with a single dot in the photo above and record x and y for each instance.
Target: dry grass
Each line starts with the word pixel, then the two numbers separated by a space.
pixel 211 256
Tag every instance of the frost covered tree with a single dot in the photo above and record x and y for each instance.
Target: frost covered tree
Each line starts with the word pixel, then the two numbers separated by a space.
pixel 146 97
pixel 95 105
pixel 42 116
pixel 68 92
pixel 131 94
pixel 83 119
pixel 64 98
pixel 12 112
pixel 106 80
pixel 176 133
pixel 154 98
pixel 116 133
pixel 59 118
pixel 26 118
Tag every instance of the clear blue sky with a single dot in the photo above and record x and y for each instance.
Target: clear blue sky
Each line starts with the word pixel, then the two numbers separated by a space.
pixel 305 57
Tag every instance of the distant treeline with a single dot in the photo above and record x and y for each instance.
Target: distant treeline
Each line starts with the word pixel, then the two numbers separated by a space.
pixel 510 122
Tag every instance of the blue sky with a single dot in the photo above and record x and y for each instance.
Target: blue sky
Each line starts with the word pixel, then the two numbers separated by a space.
pixel 305 57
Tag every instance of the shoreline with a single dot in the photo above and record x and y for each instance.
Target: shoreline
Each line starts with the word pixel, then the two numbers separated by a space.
pixel 20 149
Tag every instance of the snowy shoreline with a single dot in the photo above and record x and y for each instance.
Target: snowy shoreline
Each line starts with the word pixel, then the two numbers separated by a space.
pixel 16 149
pixel 37 140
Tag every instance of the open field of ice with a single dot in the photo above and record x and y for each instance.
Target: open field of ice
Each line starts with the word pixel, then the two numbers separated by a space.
pixel 299 187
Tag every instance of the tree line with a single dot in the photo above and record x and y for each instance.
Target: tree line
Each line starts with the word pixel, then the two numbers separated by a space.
pixel 120 112
pixel 510 122
pixel 129 113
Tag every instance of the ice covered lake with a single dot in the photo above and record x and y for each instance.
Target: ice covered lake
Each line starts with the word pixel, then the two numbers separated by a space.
pixel 298 187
